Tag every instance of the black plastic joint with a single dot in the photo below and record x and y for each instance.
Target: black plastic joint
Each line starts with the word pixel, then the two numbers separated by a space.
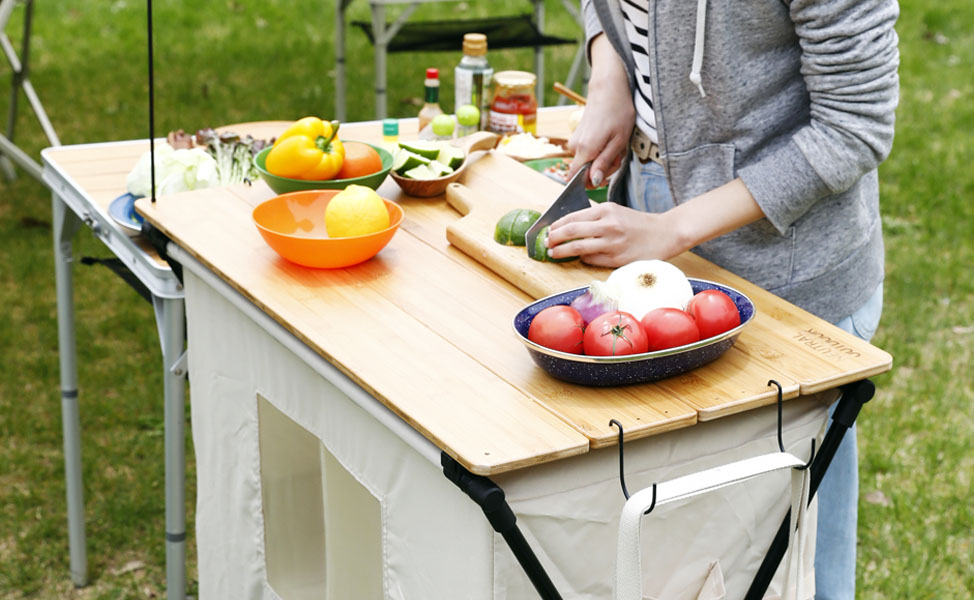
pixel 487 494
pixel 854 395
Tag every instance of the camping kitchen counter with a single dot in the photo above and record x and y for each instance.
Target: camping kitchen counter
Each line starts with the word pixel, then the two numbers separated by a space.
pixel 420 339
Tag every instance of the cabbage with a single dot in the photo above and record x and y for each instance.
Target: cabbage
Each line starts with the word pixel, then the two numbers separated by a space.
pixel 176 171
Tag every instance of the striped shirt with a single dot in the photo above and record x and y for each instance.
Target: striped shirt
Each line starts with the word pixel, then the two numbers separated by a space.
pixel 636 16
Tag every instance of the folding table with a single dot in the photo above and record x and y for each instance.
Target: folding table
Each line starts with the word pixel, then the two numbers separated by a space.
pixel 84 179
pixel 324 402
pixel 20 81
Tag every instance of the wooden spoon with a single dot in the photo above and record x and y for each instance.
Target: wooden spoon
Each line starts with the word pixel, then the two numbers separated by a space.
pixel 427 188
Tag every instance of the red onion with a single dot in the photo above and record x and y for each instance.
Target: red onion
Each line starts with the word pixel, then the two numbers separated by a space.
pixel 598 299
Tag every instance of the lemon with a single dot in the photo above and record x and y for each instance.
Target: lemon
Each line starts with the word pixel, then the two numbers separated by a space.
pixel 356 210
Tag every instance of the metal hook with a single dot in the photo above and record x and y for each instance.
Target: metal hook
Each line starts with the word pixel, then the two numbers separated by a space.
pixel 810 458
pixel 781 444
pixel 622 470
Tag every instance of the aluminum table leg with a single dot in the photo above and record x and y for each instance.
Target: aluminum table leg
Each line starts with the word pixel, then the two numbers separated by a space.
pixel 66 225
pixel 171 322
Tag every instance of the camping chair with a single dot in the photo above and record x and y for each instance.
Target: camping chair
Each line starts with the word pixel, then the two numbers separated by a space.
pixel 515 31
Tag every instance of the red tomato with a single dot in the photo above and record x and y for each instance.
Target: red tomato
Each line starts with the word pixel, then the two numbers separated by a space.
pixel 669 328
pixel 714 312
pixel 559 328
pixel 360 160
pixel 614 334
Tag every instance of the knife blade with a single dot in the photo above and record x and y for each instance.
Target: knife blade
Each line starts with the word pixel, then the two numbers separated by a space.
pixel 572 198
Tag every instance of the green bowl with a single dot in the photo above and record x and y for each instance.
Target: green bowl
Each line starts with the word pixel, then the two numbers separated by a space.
pixel 283 185
pixel 599 194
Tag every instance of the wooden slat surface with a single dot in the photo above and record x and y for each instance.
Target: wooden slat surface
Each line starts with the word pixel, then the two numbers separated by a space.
pixel 473 389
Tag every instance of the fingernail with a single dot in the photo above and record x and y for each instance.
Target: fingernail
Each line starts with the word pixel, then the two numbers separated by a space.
pixel 596 178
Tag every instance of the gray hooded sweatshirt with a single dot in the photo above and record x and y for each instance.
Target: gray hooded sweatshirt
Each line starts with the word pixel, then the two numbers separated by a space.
pixel 797 98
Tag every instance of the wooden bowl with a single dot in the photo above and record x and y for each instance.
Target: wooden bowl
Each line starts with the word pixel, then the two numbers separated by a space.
pixel 427 188
pixel 293 224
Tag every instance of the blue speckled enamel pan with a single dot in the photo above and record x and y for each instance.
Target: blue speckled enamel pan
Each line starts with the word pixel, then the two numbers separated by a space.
pixel 634 368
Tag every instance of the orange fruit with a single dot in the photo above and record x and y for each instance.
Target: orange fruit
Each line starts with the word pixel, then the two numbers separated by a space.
pixel 360 159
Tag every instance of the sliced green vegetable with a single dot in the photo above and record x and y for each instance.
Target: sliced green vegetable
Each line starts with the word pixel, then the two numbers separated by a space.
pixel 512 227
pixel 543 253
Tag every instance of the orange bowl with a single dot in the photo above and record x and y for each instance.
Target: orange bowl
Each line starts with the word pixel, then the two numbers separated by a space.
pixel 293 224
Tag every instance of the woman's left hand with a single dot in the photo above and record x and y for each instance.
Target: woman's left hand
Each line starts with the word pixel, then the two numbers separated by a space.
pixel 610 235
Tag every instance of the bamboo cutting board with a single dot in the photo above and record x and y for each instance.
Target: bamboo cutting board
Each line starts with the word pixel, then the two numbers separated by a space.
pixel 494 185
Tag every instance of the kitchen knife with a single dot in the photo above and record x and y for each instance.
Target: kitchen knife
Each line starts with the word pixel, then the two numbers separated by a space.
pixel 572 198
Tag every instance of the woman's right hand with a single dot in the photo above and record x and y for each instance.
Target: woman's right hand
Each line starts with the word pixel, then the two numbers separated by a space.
pixel 602 135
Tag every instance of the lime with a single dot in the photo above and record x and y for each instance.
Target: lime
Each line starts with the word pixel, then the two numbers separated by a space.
pixel 439 169
pixel 406 160
pixel 443 125
pixel 468 114
pixel 425 148
pixel 356 210
pixel 420 172
pixel 450 156
pixel 512 227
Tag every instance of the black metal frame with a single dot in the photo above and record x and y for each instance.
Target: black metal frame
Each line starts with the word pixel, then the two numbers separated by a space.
pixel 490 497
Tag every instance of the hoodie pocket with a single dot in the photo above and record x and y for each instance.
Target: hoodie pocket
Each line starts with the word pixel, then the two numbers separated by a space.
pixel 756 252
pixel 700 170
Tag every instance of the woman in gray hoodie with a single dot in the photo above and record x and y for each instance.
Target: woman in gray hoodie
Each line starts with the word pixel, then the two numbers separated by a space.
pixel 749 133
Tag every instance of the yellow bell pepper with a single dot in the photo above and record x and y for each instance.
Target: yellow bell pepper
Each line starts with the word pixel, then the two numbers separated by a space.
pixel 308 149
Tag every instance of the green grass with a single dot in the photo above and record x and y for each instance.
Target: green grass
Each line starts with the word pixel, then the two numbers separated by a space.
pixel 242 60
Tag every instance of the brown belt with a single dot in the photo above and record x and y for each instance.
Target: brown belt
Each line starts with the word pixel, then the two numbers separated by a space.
pixel 643 148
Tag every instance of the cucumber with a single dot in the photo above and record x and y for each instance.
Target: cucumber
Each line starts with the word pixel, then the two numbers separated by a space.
pixel 542 251
pixel 425 148
pixel 406 160
pixel 512 227
pixel 450 156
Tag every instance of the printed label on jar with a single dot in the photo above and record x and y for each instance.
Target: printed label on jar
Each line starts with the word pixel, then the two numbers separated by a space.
pixel 510 123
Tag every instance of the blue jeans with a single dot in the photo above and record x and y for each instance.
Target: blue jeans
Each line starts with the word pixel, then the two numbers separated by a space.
pixel 838 494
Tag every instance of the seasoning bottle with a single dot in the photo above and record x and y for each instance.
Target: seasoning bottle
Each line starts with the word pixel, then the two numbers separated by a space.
pixel 431 108
pixel 472 77
pixel 390 134
pixel 514 108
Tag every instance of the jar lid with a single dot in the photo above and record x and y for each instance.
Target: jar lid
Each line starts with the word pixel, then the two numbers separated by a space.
pixel 390 126
pixel 515 78
pixel 474 44
pixel 432 73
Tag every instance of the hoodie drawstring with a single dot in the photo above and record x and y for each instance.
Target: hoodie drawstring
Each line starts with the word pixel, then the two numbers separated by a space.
pixel 698 46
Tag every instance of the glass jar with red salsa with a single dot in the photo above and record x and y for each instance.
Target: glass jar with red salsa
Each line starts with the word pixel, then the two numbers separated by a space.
pixel 514 108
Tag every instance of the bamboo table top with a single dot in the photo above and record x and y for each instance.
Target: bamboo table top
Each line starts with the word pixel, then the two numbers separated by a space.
pixel 425 326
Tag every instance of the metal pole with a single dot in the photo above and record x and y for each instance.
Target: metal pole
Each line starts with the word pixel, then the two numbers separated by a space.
pixel 854 396
pixel 490 497
pixel 340 6
pixel 539 52
pixel 66 225
pixel 381 48
pixel 170 320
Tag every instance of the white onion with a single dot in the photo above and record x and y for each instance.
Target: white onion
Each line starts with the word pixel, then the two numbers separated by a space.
pixel 646 285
